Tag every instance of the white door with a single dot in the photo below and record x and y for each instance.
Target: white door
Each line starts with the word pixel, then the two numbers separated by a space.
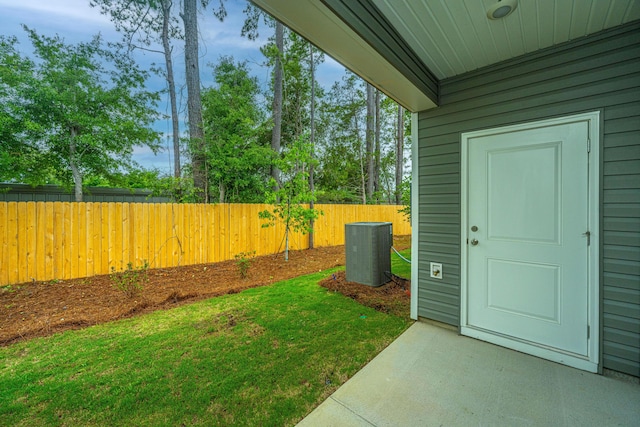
pixel 527 239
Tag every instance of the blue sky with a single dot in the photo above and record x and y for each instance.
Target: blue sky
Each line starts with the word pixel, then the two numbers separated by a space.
pixel 76 21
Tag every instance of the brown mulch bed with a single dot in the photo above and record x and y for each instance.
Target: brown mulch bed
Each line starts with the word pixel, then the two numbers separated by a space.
pixel 392 297
pixel 43 308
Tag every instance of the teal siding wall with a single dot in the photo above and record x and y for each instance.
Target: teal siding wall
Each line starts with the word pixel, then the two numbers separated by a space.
pixel 601 72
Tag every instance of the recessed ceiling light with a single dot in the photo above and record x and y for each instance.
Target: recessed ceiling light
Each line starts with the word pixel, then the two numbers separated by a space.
pixel 501 8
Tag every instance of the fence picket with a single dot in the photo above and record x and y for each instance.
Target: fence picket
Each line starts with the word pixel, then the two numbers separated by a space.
pixel 4 252
pixel 63 240
pixel 104 238
pixel 31 241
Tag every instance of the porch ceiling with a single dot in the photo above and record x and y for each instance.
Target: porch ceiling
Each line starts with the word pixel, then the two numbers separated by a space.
pixel 405 47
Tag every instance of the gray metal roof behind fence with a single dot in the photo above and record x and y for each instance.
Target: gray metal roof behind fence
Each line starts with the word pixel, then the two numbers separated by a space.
pixel 54 193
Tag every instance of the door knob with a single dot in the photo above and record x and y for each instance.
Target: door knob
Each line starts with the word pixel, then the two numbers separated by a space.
pixel 474 242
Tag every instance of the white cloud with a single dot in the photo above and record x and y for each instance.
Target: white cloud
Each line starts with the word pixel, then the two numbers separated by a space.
pixel 67 11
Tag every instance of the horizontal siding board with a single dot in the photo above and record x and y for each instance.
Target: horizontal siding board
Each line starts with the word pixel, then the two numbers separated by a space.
pixel 439 219
pixel 627 295
pixel 442 199
pixel 453 160
pixel 630 367
pixel 622 195
pixel 442 169
pixel 621 140
pixel 439 188
pixel 597 73
pixel 622 125
pixel 621 351
pixel 622 238
pixel 451 262
pixel 615 321
pixel 624 309
pixel 516 106
pixel 624 167
pixel 441 228
pixel 622 337
pixel 438 317
pixel 616 280
pixel 620 266
pixel 441 248
pixel 559 104
pixel 442 238
pixel 628 109
pixel 629 253
pixel 621 181
pixel 442 287
pixel 432 309
pixel 576 72
pixel 442 149
pixel 630 152
pixel 621 224
pixel 451 178
pixel 530 64
pixel 445 139
pixel 444 298
pixel 432 208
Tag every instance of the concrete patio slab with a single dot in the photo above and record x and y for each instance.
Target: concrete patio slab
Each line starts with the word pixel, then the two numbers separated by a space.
pixel 431 376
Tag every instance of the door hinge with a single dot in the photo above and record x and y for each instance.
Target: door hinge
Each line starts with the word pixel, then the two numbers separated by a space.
pixel 588 234
pixel 588 331
pixel 588 145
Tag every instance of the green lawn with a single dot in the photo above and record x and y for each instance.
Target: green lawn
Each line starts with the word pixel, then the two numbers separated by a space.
pixel 266 356
pixel 400 266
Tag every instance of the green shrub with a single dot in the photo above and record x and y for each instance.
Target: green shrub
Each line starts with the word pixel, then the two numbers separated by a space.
pixel 243 261
pixel 132 280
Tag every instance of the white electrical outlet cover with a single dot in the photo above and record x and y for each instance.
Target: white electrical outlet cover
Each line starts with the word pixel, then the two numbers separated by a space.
pixel 436 270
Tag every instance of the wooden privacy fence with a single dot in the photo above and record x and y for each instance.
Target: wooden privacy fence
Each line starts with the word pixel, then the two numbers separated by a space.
pixel 62 240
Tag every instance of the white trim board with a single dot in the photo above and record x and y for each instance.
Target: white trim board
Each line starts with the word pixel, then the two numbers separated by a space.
pixel 415 201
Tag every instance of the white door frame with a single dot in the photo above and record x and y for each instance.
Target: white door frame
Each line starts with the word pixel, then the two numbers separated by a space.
pixel 591 361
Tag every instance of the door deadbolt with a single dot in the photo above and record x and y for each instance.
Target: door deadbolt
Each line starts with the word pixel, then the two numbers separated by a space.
pixel 474 242
pixel 474 228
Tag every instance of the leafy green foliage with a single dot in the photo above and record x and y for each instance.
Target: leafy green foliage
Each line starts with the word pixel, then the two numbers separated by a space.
pixel 290 200
pixel 340 173
pixel 132 280
pixel 243 262
pixel 406 198
pixel 296 118
pixel 74 111
pixel 237 152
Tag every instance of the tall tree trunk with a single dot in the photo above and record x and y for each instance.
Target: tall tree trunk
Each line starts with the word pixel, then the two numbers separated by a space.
pixel 276 134
pixel 376 150
pixel 287 230
pixel 313 142
pixel 175 126
pixel 361 157
pixel 73 164
pixel 222 192
pixel 194 103
pixel 399 154
pixel 370 134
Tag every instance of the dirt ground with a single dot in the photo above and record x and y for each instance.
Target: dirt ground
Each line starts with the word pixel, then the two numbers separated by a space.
pixel 43 308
